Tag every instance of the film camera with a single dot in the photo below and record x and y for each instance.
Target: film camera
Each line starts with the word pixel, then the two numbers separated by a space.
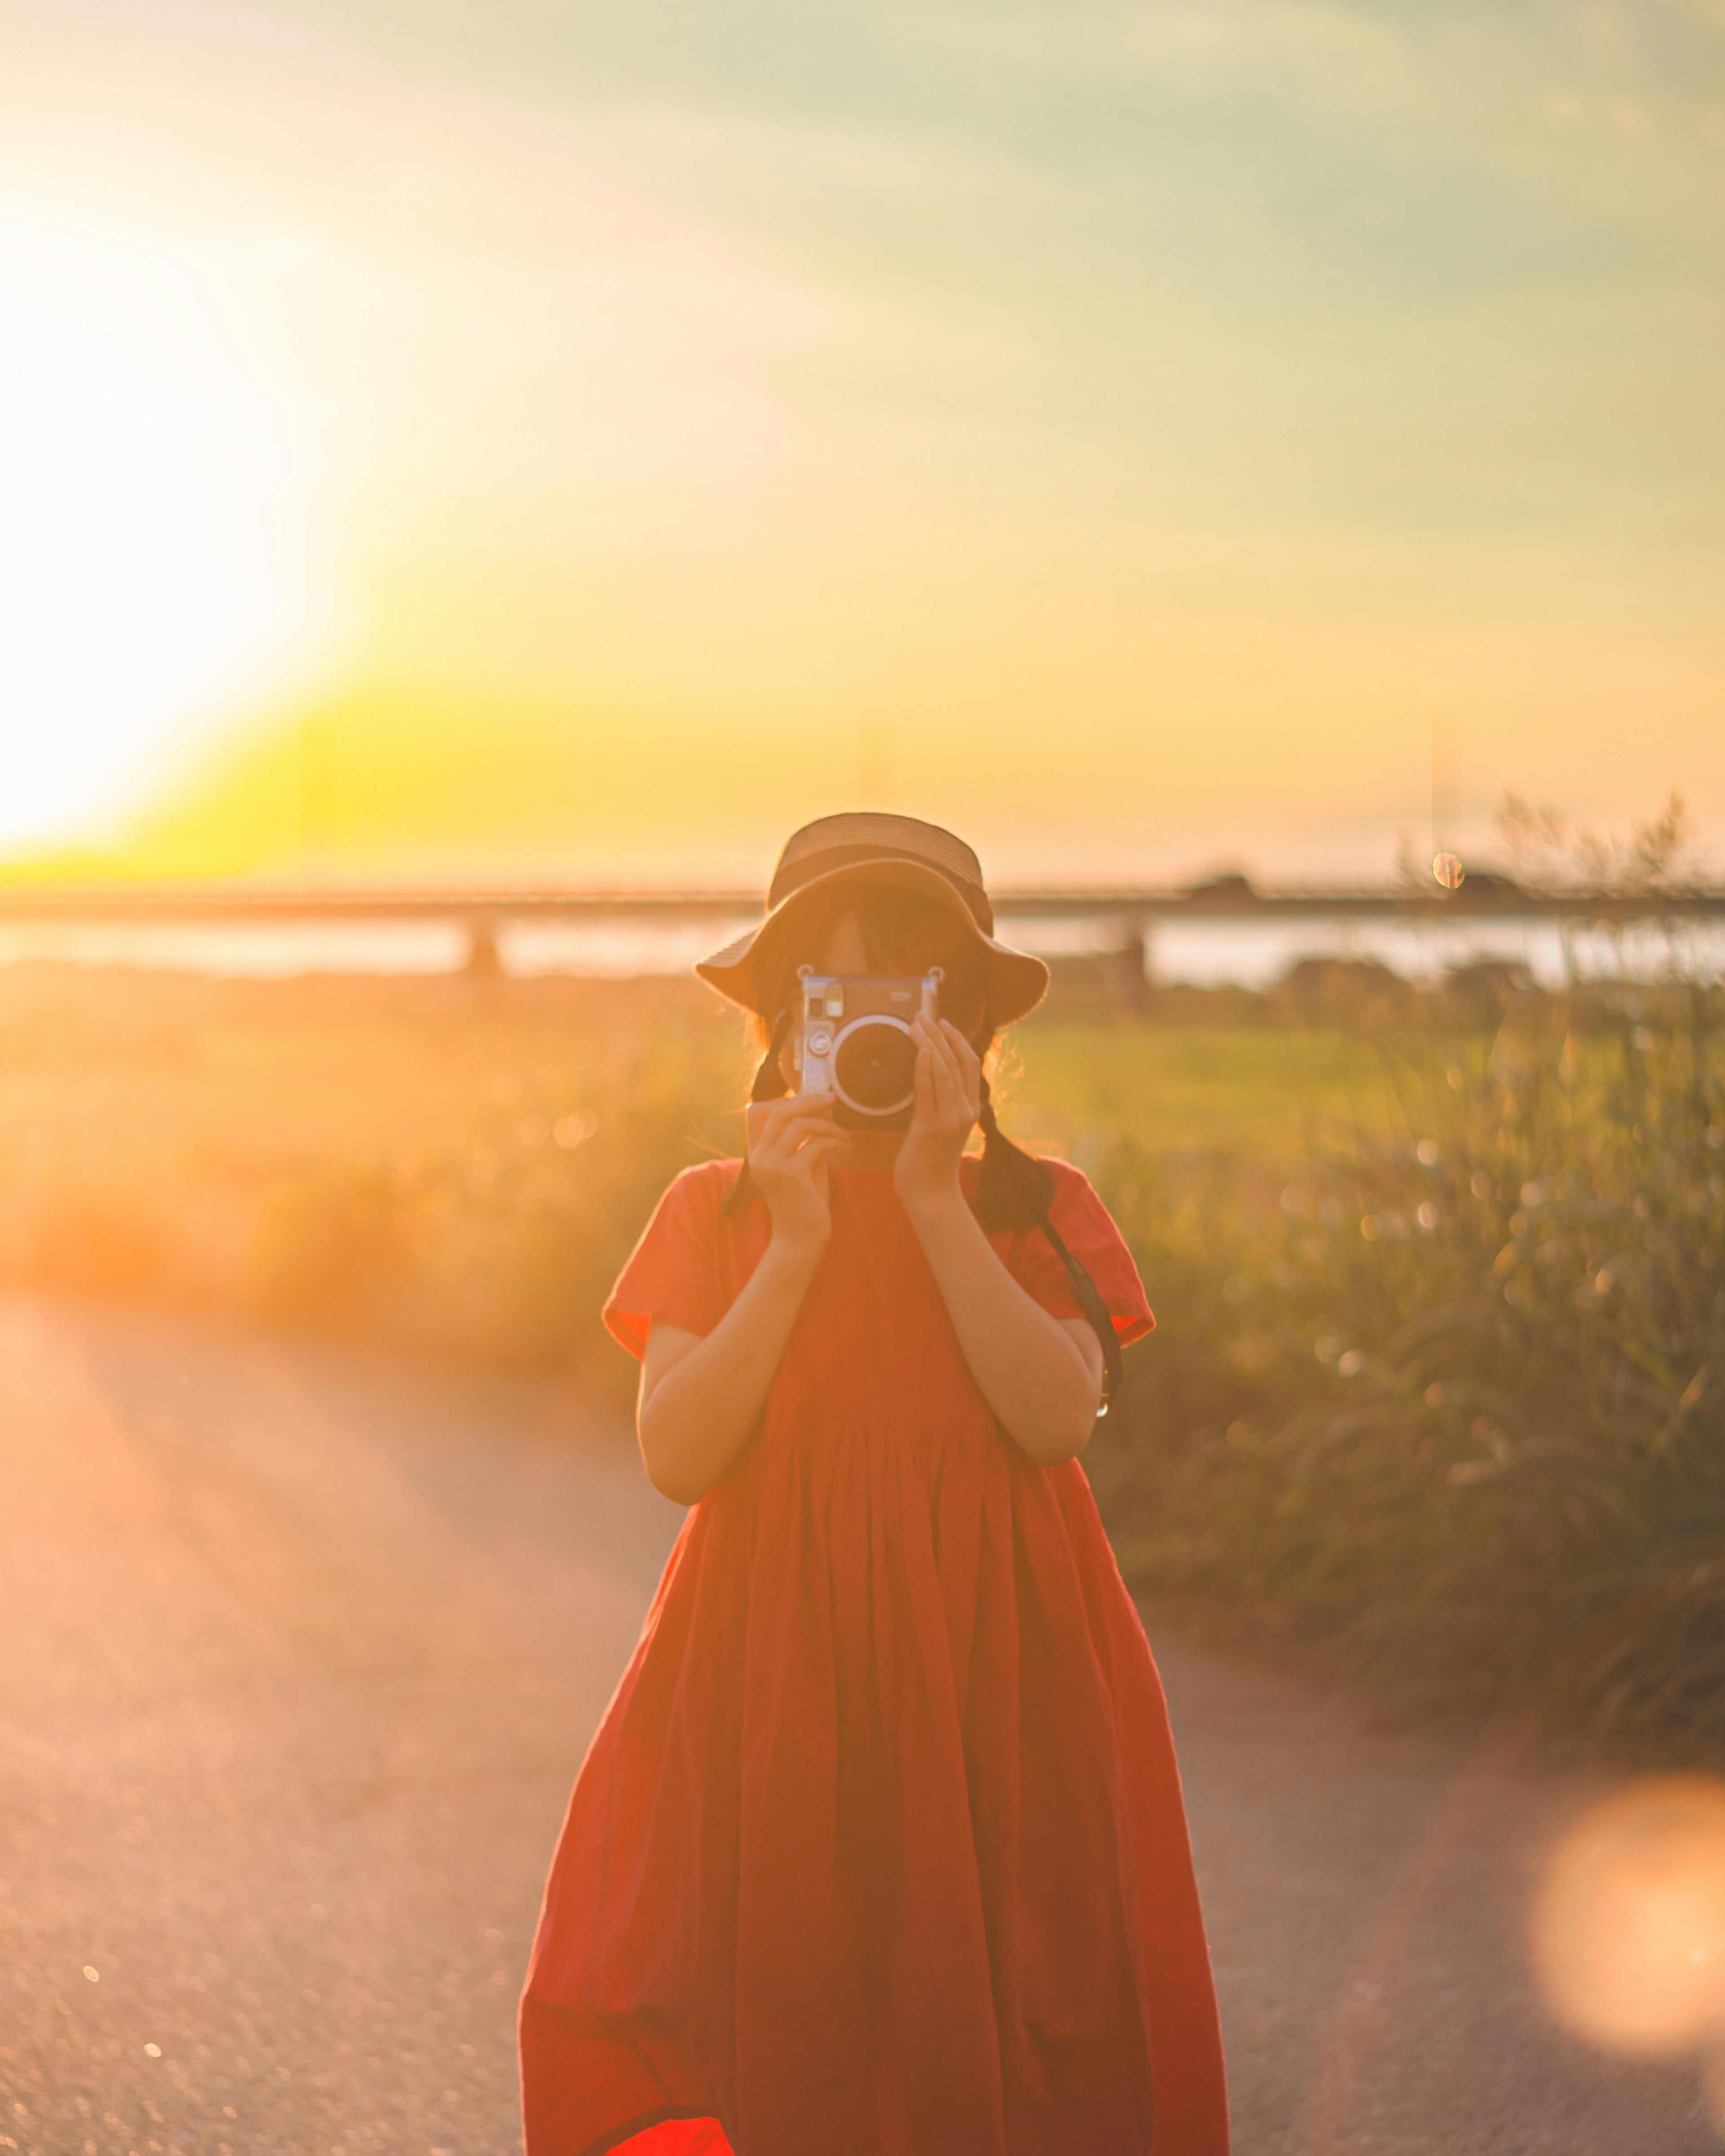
pixel 852 1037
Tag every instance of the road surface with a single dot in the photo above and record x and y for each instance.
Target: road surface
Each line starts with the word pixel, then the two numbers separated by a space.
pixel 299 1652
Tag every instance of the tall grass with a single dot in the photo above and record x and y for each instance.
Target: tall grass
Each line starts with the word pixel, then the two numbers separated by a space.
pixel 1453 1407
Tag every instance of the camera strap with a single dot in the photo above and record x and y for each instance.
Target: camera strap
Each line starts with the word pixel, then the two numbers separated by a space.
pixel 1094 1308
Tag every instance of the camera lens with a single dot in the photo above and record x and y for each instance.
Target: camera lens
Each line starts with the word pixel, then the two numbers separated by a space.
pixel 876 1066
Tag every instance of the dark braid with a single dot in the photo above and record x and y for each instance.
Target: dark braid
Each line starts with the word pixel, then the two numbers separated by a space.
pixel 1013 1190
pixel 770 1085
pixel 1012 1187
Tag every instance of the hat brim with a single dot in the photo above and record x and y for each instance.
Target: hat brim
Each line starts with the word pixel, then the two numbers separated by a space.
pixel 1016 981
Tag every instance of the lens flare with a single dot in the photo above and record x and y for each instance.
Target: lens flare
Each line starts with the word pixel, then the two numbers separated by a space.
pixel 1629 1926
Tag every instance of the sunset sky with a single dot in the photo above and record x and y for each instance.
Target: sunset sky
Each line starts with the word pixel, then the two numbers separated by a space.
pixel 559 439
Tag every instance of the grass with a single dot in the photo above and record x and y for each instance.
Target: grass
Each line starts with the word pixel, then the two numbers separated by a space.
pixel 1438 1392
pixel 464 1169
pixel 1451 1409
pixel 1248 1091
pixel 1266 1102
pixel 455 1171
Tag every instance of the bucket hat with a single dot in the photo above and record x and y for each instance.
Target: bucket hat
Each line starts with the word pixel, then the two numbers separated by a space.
pixel 861 847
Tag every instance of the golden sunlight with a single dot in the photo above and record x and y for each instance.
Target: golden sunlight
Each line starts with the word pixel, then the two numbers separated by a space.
pixel 149 554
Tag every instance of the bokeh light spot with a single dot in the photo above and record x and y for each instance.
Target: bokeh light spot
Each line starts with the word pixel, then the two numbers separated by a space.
pixel 1629 1926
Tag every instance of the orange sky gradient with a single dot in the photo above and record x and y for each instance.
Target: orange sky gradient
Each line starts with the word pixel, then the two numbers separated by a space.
pixel 555 445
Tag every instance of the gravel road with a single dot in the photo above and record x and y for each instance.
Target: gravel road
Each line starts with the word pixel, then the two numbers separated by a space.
pixel 299 1652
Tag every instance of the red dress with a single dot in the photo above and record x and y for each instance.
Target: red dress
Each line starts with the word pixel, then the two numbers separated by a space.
pixel 879 1849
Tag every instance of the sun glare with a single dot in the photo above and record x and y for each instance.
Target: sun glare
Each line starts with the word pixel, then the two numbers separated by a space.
pixel 151 564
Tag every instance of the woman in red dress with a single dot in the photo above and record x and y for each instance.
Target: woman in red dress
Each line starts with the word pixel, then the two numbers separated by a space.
pixel 879 1849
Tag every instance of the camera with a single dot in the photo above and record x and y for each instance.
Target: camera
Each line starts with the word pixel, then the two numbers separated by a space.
pixel 853 1037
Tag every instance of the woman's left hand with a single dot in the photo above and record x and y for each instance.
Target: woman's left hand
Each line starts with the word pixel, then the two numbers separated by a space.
pixel 948 1095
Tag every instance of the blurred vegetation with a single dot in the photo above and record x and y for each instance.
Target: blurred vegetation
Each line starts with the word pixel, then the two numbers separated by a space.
pixel 1451 1408
pixel 458 1169
pixel 1438 1390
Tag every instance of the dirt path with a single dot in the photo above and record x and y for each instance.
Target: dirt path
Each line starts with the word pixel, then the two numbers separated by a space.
pixel 299 1652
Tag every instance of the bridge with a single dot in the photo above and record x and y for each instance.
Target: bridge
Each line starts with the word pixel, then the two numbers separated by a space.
pixel 1128 915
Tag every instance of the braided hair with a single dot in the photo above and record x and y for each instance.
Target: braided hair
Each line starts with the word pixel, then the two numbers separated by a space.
pixel 1012 1187
pixel 770 1084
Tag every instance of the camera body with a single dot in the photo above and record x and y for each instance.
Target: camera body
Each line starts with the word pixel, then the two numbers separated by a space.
pixel 852 1037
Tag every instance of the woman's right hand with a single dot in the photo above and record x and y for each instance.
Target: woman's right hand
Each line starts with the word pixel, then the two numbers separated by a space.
pixel 791 1144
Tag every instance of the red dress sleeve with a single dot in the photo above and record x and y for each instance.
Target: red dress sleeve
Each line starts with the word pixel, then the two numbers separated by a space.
pixel 1083 1224
pixel 673 1271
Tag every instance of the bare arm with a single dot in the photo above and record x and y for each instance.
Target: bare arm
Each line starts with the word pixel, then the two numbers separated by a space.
pixel 701 1398
pixel 1042 1375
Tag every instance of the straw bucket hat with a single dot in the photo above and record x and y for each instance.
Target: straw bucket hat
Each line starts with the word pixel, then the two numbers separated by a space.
pixel 862 848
